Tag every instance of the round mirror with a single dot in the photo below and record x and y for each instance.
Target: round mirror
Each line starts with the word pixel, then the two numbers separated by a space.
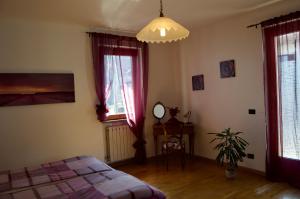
pixel 159 110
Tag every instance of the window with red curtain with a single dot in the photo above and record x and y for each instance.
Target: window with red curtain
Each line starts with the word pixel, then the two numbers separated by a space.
pixel 282 80
pixel 121 77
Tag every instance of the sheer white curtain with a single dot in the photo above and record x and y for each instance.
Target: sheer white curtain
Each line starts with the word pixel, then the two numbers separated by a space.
pixel 288 66
pixel 119 84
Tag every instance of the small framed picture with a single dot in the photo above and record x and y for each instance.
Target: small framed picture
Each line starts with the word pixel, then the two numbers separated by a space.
pixel 198 82
pixel 227 68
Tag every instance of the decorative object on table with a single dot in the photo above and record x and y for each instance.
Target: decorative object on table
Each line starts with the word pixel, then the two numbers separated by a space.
pixel 227 68
pixel 159 111
pixel 198 82
pixel 231 149
pixel 35 88
pixel 173 111
pixel 187 116
pixel 162 29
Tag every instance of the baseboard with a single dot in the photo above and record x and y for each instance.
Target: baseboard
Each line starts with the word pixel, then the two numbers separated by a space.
pixel 254 171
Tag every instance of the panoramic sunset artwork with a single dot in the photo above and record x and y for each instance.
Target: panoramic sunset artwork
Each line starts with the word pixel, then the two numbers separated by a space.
pixel 18 89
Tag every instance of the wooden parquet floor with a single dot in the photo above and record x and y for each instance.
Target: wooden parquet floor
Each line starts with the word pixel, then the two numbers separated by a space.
pixel 205 180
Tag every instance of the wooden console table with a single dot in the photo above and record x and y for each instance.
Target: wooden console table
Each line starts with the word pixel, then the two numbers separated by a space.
pixel 188 129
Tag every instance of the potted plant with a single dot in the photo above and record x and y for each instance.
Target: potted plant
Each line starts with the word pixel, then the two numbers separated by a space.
pixel 231 149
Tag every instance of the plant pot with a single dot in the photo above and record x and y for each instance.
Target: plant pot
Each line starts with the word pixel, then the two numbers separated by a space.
pixel 230 173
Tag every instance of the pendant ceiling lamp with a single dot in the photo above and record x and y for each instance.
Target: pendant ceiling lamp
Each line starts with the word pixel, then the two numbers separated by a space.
pixel 162 29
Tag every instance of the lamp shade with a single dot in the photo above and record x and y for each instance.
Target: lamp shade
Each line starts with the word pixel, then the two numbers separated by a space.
pixel 162 29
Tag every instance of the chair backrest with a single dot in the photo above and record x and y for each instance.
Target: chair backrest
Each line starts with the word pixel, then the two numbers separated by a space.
pixel 173 130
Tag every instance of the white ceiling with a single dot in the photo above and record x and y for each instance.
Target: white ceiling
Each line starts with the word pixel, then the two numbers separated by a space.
pixel 128 15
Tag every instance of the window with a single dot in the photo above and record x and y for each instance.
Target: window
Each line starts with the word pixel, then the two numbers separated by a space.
pixel 118 72
pixel 288 70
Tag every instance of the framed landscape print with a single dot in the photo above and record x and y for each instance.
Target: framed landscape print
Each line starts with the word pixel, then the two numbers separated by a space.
pixel 227 68
pixel 198 82
pixel 34 88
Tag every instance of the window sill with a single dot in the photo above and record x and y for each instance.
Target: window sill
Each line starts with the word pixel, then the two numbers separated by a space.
pixel 116 117
pixel 115 120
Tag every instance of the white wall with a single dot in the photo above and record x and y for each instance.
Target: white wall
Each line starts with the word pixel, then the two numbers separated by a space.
pixel 225 102
pixel 34 134
pixel 164 84
pixel 31 135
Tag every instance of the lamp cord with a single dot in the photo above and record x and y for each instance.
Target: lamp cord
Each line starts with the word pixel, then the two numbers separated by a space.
pixel 161 9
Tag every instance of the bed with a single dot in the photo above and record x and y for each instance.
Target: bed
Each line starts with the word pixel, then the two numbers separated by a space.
pixel 79 177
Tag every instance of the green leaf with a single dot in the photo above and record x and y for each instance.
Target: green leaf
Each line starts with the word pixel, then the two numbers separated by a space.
pixel 231 147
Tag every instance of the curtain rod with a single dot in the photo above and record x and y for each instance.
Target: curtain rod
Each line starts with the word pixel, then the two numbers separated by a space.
pixel 115 34
pixel 111 31
pixel 279 19
pixel 89 33
pixel 128 34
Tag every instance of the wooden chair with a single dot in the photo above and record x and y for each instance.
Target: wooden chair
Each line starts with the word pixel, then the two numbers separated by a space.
pixel 173 142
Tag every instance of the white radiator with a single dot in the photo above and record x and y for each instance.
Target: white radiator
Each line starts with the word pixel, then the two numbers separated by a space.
pixel 119 141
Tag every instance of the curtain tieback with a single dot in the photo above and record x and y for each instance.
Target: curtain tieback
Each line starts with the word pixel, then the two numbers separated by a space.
pixel 101 109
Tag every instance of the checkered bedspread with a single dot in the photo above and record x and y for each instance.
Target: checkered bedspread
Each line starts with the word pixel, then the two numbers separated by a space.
pixel 80 177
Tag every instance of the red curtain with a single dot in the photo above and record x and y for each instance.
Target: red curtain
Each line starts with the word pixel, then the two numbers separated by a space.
pixel 278 167
pixel 135 98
